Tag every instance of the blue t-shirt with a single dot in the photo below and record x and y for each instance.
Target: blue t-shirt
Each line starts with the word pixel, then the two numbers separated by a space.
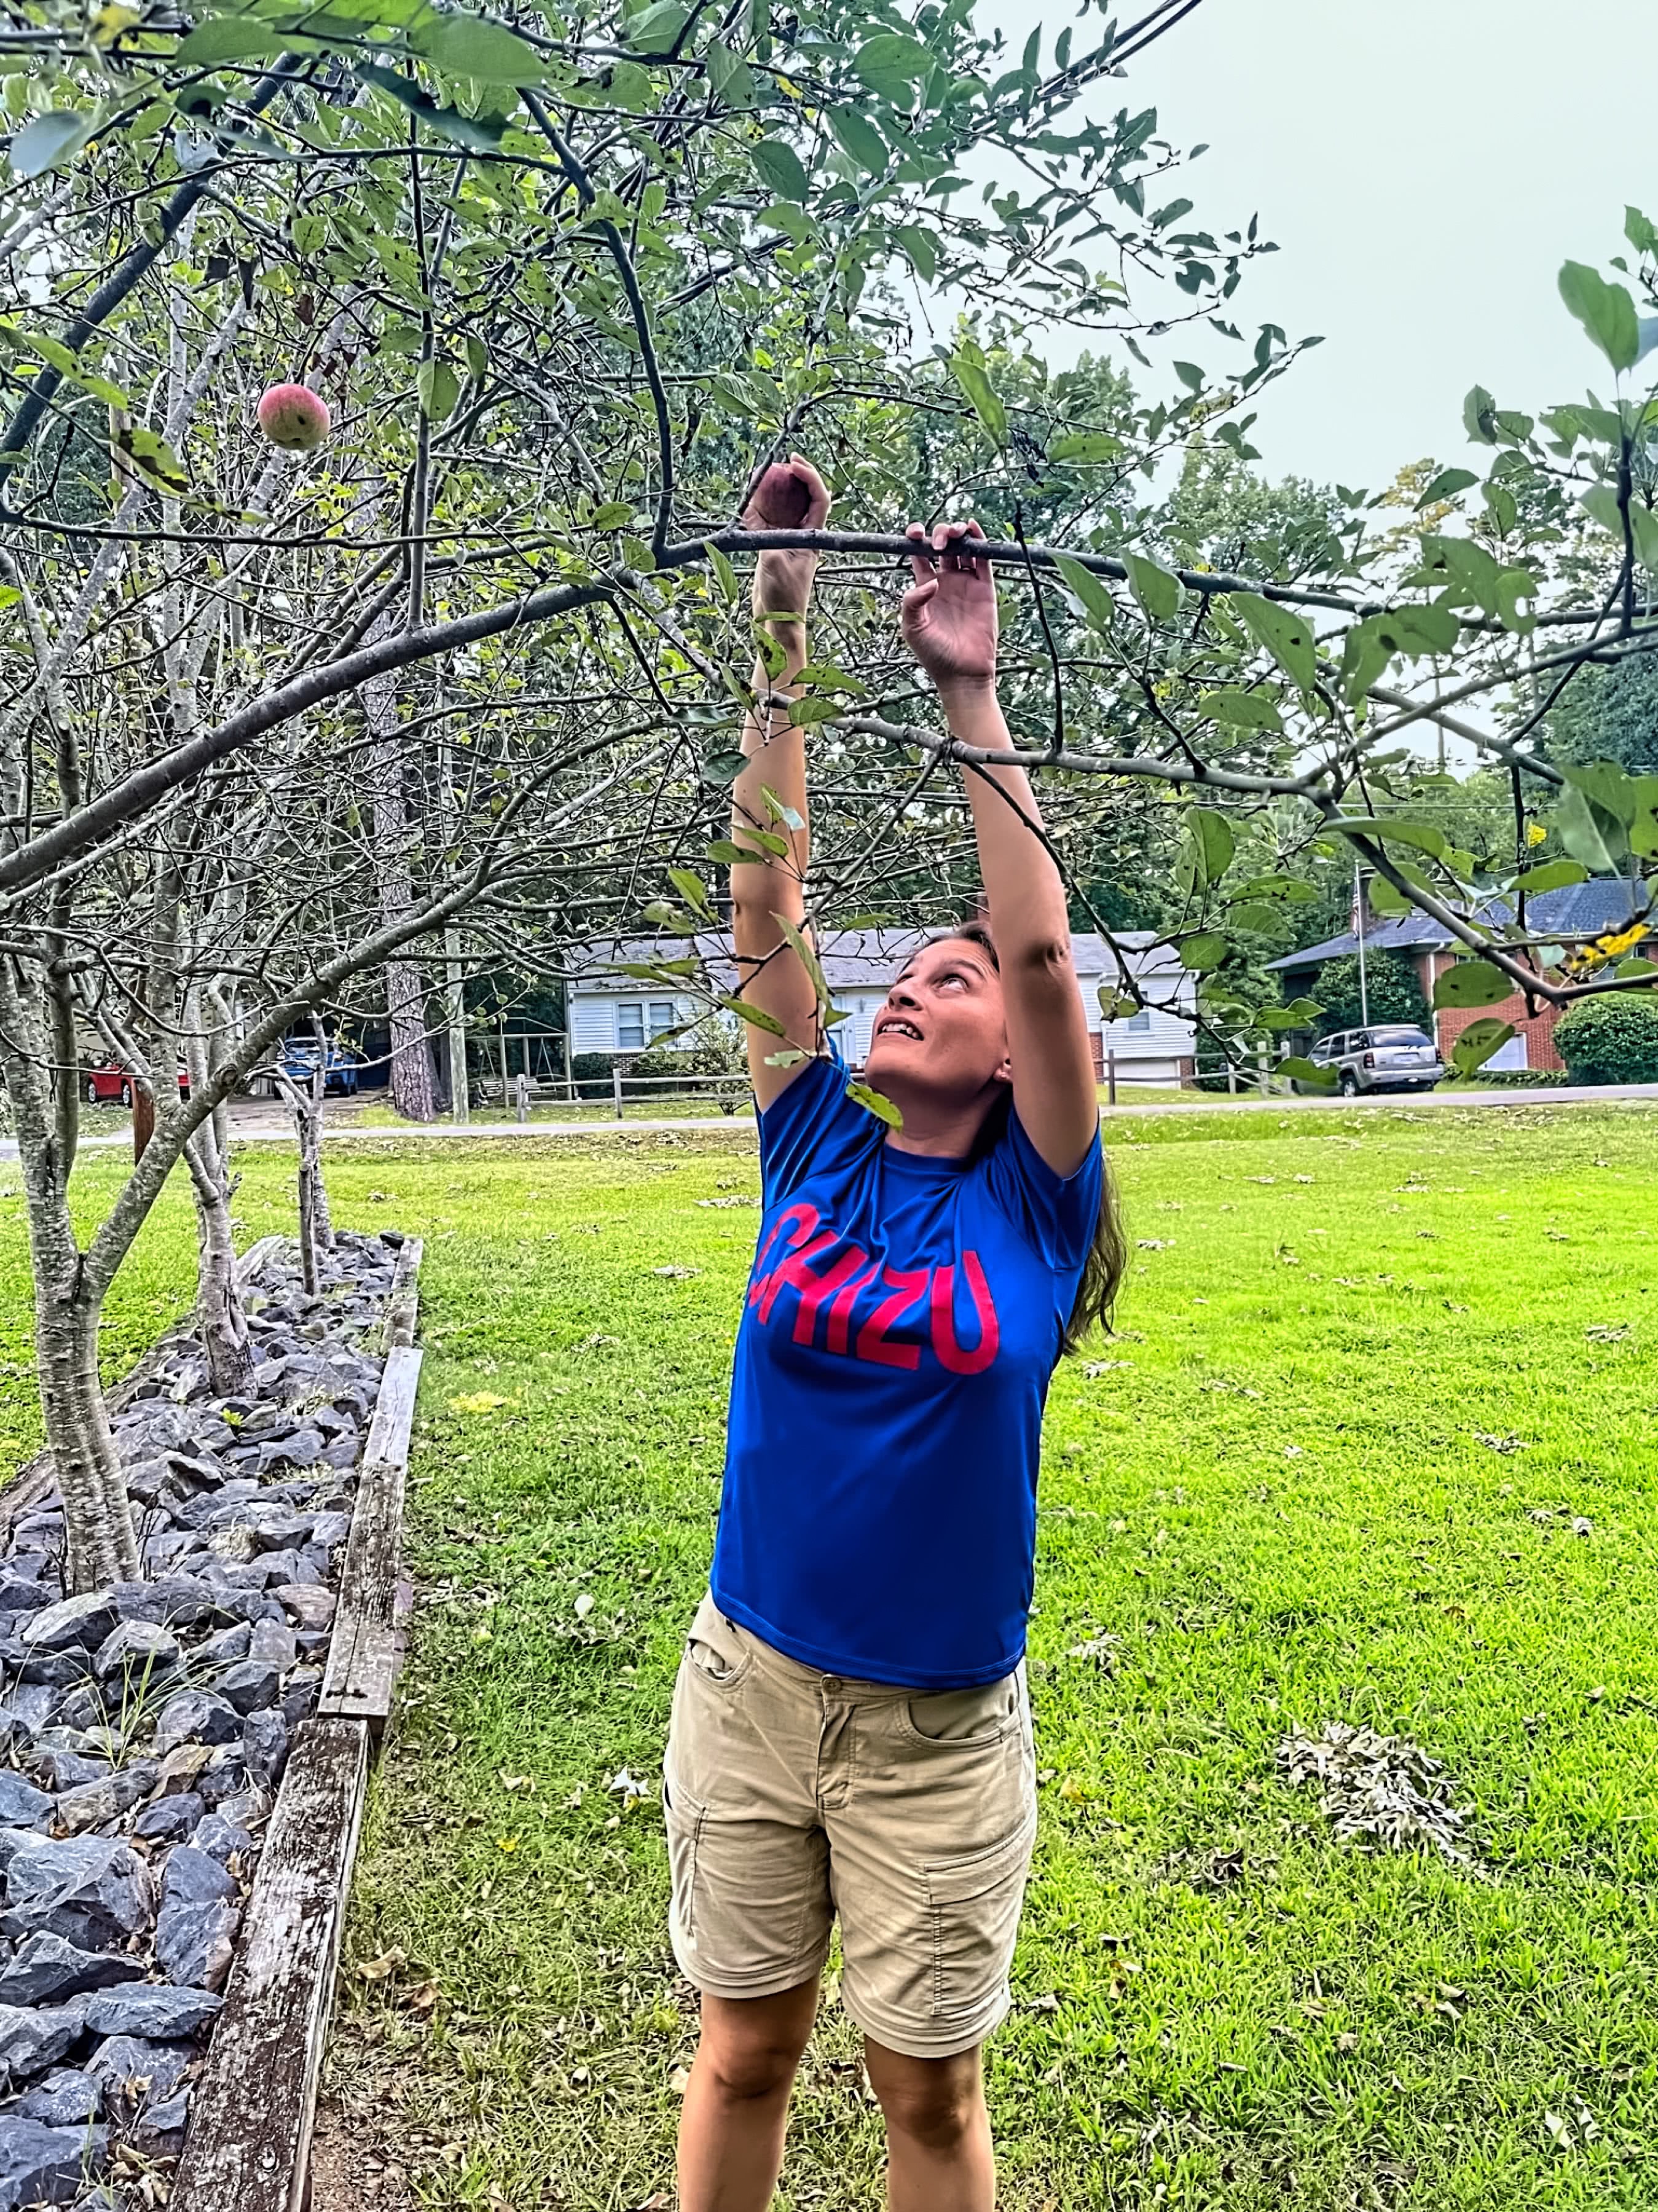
pixel 904 1316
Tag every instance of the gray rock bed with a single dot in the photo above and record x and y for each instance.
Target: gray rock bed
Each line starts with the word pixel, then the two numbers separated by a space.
pixel 143 1731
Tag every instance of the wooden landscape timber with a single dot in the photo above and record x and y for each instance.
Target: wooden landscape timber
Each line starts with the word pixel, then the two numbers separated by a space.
pixel 401 1306
pixel 248 2149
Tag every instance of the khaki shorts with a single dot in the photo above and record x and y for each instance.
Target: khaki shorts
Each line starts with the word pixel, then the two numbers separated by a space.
pixel 792 1795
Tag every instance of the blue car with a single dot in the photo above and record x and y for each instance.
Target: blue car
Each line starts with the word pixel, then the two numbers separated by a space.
pixel 299 1064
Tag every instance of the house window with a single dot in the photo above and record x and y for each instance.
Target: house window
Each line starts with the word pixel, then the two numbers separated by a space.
pixel 1140 1019
pixel 630 1024
pixel 663 1015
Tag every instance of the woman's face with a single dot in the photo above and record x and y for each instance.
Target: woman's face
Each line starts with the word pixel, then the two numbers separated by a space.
pixel 942 1028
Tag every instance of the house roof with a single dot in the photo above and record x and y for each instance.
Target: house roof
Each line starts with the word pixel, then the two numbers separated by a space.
pixel 1579 910
pixel 852 958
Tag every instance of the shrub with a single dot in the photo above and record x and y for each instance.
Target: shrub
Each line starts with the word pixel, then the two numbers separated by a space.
pixel 591 1072
pixel 1613 1039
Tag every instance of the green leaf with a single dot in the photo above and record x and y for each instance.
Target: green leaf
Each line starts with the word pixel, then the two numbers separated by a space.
pixel 780 165
pixel 1417 631
pixel 229 39
pixel 790 1056
pixel 1446 485
pixel 1204 951
pixel 802 953
pixel 723 767
pixel 1116 1006
pixel 1551 876
pixel 755 1017
pixel 1155 590
pixel 692 889
pixel 730 588
pixel 1421 836
pixel 1243 709
pixel 921 247
pixel 1214 841
pixel 1282 633
pixel 1643 527
pixel 729 76
pixel 1295 1069
pixel 50 139
pixel 1643 835
pixel 467 46
pixel 1611 788
pixel 1478 1041
pixel 655 30
pixel 1590 833
pixel 438 388
pixel 611 514
pixel 480 134
pixel 148 451
pixel 477 356
pixel 980 396
pixel 1085 445
pixel 1605 311
pixel 859 140
pixel 1097 602
pixel 1480 416
pixel 803 714
pixel 873 1102
pixel 890 63
pixel 1472 983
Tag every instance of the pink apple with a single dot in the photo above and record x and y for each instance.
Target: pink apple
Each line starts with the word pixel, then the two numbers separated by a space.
pixel 294 418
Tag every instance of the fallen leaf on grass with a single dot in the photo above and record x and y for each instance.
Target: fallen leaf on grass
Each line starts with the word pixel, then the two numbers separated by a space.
pixel 584 1606
pixel 679 2080
pixel 1156 1243
pixel 1096 1367
pixel 383 1968
pixel 1607 1332
pixel 511 1782
pixel 676 1271
pixel 625 1786
pixel 476 1401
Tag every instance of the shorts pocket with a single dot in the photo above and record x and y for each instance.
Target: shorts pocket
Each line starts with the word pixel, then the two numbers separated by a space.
pixel 968 1720
pixel 685 1819
pixel 717 1650
pixel 974 1903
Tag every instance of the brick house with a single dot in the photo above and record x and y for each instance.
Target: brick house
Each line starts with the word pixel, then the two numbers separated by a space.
pixel 1580 911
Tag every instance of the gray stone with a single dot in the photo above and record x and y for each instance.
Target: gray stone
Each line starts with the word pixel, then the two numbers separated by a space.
pixel 331 1530
pixel 175 1601
pixel 79 1712
pixel 125 2062
pixel 20 1593
pixel 251 1685
pixel 60 1670
pixel 195 1943
pixel 225 1773
pixel 141 1648
pixel 93 1891
pixel 63 1769
pixel 288 1570
pixel 224 1649
pixel 44 2165
pixel 28 1708
pixel 21 1805
pixel 269 1641
pixel 32 2037
pixel 73 1623
pixel 163 2015
pixel 66 2098
pixel 233 1548
pixel 210 1509
pixel 105 1743
pixel 300 1693
pixel 248 1605
pixel 153 1425
pixel 221 1839
pixel 342 1451
pixel 195 1471
pixel 96 1804
pixel 194 1716
pixel 191 1877
pixel 169 1819
pixel 265 1746
pixel 100 2200
pixel 180 1768
pixel 13 1840
pixel 146 1479
pixel 303 1448
pixel 247 1809
pixel 159 2131
pixel 31 1566
pixel 46 1970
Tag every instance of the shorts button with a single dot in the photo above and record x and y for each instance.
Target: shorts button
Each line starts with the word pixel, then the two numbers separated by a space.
pixel 832 1683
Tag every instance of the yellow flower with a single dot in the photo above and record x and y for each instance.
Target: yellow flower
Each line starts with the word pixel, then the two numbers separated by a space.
pixel 1536 833
pixel 1623 941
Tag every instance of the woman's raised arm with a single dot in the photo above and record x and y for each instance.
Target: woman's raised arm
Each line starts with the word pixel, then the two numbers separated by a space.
pixel 790 496
pixel 950 624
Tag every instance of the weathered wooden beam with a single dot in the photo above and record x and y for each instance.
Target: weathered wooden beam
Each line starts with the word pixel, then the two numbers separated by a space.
pixel 366 1648
pixel 249 2144
pixel 403 1301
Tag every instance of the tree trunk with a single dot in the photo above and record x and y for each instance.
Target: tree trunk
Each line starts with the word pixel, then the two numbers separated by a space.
pixel 316 1227
pixel 414 1090
pixel 219 1314
pixel 100 1547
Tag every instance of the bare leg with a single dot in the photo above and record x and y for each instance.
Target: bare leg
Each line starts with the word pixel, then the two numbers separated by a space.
pixel 731 2133
pixel 938 2130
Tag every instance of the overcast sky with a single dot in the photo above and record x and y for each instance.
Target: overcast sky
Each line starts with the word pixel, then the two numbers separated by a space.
pixel 1426 166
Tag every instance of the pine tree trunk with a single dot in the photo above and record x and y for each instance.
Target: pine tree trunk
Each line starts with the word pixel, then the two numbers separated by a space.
pixel 414 1089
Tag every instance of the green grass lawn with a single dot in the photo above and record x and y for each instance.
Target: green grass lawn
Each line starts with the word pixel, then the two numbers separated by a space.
pixel 1377 1369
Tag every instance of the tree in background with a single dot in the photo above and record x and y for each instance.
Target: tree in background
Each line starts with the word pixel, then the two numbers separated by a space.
pixel 1391 988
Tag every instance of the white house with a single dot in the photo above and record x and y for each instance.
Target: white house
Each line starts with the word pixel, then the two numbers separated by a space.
pixel 611 1012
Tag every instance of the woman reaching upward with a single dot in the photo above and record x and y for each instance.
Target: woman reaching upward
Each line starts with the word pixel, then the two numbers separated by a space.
pixel 850 1729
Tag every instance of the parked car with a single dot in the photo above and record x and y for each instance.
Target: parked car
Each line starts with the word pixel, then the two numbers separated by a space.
pixel 1387 1056
pixel 111 1081
pixel 298 1061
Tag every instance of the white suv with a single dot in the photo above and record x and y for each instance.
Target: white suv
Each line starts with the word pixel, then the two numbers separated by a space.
pixel 1387 1056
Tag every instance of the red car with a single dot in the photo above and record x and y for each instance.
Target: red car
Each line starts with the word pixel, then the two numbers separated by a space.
pixel 112 1081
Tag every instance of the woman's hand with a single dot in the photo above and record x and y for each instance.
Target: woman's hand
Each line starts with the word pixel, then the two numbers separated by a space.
pixel 790 496
pixel 949 614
